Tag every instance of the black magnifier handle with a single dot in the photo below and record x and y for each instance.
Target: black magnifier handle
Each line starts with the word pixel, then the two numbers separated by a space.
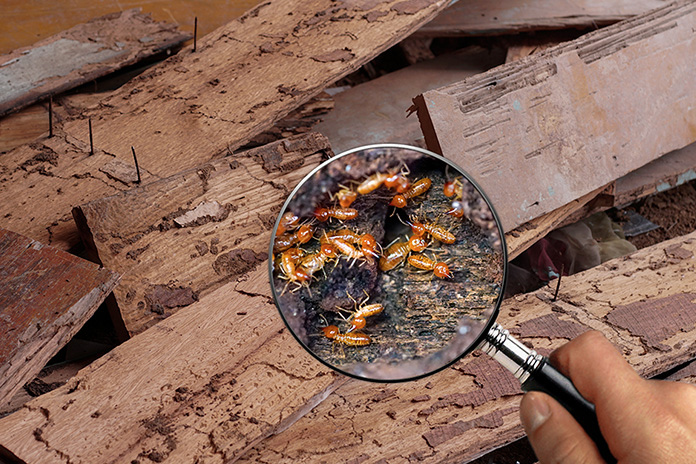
pixel 535 373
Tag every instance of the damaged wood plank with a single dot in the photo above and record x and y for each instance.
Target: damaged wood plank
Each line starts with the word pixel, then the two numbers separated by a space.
pixel 463 412
pixel 198 106
pixel 219 377
pixel 479 17
pixel 375 112
pixel 81 54
pixel 569 114
pixel 46 296
pixel 175 239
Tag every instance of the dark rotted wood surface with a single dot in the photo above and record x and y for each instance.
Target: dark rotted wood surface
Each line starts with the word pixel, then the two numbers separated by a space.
pixel 81 54
pixel 46 295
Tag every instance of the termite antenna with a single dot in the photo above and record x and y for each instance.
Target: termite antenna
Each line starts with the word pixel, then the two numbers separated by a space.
pixel 137 168
pixel 195 33
pixel 91 139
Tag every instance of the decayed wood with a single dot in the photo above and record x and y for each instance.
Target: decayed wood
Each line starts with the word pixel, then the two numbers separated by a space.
pixel 569 114
pixel 198 106
pixel 479 17
pixel 178 238
pixel 46 295
pixel 644 303
pixel 375 112
pixel 81 54
pixel 22 127
pixel 666 172
pixel 219 377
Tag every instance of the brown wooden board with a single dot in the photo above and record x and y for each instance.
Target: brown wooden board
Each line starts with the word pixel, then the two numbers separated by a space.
pixel 569 114
pixel 376 111
pixel 204 385
pixel 176 239
pixel 197 106
pixel 46 295
pixel 644 303
pixel 81 54
pixel 480 17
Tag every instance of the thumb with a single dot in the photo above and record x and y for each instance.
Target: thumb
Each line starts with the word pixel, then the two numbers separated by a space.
pixel 554 434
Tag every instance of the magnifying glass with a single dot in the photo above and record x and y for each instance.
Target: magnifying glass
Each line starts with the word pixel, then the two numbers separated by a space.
pixel 389 264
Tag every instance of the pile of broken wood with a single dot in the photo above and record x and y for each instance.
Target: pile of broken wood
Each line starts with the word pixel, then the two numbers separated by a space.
pixel 209 374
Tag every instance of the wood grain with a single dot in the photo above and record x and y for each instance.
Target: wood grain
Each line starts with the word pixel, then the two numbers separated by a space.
pixel 569 114
pixel 198 106
pixel 479 17
pixel 472 408
pixel 81 54
pixel 178 238
pixel 217 378
pixel 46 296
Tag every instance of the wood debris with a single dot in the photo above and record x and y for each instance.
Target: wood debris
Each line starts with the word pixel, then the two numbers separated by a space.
pixel 46 296
pixel 81 54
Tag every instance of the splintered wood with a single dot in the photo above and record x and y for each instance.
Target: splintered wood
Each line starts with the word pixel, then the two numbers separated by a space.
pixel 46 296
pixel 176 239
pixel 481 17
pixel 197 106
pixel 218 378
pixel 223 375
pixel 575 117
pixel 472 408
pixel 81 54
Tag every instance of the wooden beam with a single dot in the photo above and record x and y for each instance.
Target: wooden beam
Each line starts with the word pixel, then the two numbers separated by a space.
pixel 569 114
pixel 197 106
pixel 46 296
pixel 81 54
pixel 219 377
pixel 644 303
pixel 212 226
pixel 376 111
pixel 479 17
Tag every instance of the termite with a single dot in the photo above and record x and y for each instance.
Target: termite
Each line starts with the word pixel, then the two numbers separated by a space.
pixel 458 209
pixel 342 214
pixel 398 180
pixel 367 242
pixel 372 183
pixel 396 254
pixel 290 272
pixel 357 319
pixel 418 188
pixel 453 187
pixel 417 243
pixel 315 261
pixel 351 339
pixel 439 268
pixel 288 221
pixel 302 235
pixel 345 196
pixel 437 232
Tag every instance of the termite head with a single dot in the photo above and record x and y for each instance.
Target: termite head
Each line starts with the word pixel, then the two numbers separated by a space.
pixel 330 331
pixel 399 201
pixel 322 214
pixel 417 243
pixel 328 250
pixel 368 244
pixel 449 188
pixel 357 323
pixel 442 271
pixel 305 233
pixel 457 209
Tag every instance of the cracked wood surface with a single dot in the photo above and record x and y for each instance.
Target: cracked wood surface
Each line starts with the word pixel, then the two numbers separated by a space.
pixel 175 239
pixel 46 296
pixel 81 54
pixel 204 385
pixel 644 303
pixel 197 106
pixel 480 17
pixel 570 113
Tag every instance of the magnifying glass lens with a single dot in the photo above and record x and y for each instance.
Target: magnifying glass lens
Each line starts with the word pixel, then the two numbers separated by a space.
pixel 388 263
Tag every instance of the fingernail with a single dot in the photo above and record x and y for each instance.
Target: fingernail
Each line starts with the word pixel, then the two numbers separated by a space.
pixel 537 411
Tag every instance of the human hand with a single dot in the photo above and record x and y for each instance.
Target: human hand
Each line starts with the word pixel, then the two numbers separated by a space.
pixel 643 421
